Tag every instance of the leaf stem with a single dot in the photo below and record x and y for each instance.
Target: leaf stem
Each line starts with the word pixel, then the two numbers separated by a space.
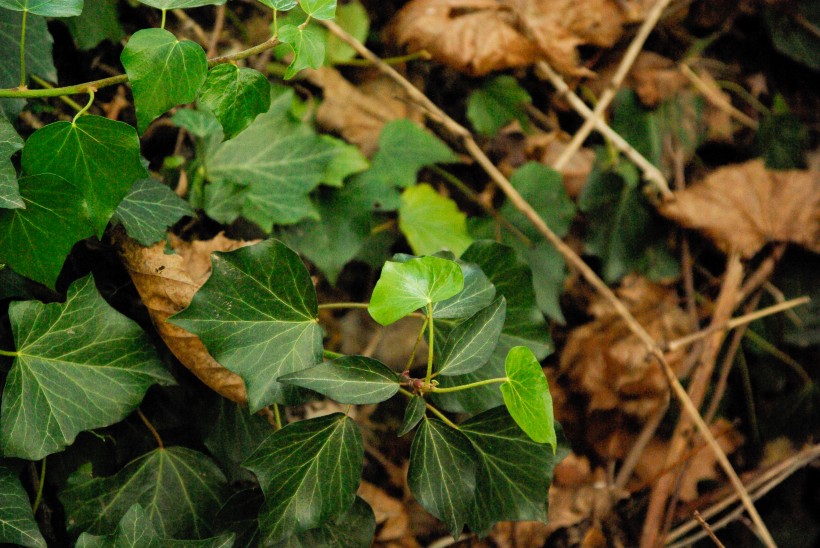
pixel 275 23
pixel 23 50
pixel 40 485
pixel 335 306
pixel 430 343
pixel 416 346
pixel 469 385
pixel 85 108
pixel 162 24
pixel 421 54
pixel 65 99
pixel 151 428
pixel 433 410
pixel 9 353
pixel 277 417
pixel 331 355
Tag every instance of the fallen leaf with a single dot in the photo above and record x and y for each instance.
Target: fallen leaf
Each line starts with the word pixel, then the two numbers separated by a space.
pixel 743 207
pixel 166 284
pixel 391 517
pixel 655 78
pixel 548 147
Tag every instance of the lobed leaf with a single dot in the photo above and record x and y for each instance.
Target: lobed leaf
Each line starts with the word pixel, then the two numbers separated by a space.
pixel 307 45
pixel 543 188
pixel 319 9
pixel 46 8
pixel 527 396
pixel 17 523
pixel 353 380
pixel 235 95
pixel 353 529
pixel 231 434
pixel 497 103
pixel 99 21
pixel 472 342
pixel 149 209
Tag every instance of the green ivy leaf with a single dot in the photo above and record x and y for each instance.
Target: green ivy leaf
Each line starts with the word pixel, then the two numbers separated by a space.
pixel 179 488
pixel 38 55
pixel 413 413
pixel 353 18
pixel 281 5
pixel 164 72
pixel 231 435
pixel 497 103
pixel 309 471
pixel 307 45
pixel 257 315
pixel 442 473
pixel 639 126
pixel 432 222
pixel 405 287
pixel 782 139
pixel 149 209
pixel 79 365
pixel 543 188
pixel 796 40
pixel 472 342
pixel 235 95
pixel 527 396
pixel 180 4
pixel 99 156
pixel 353 529
pixel 347 161
pixel 46 8
pixel 513 472
pixel 99 21
pixel 35 241
pixel 10 143
pixel 477 294
pixel 135 530
pixel 355 380
pixel 17 524
pixel 319 9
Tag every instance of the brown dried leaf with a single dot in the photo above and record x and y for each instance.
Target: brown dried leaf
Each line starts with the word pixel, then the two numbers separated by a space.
pixel 655 78
pixel 745 206
pixel 391 516
pixel 167 283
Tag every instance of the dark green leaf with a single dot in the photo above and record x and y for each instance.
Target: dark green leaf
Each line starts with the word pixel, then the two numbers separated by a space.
pixel 412 415
pixel 232 434
pixel 79 365
pixel 99 156
pixel 280 5
pixel 548 273
pixel 543 189
pixel 405 287
pixel 781 138
pixel 180 4
pixel 99 21
pixel 164 72
pixel 497 103
pixel 235 95
pixel 149 209
pixel 432 222
pixel 17 524
pixel 353 380
pixel 38 55
pixel 309 472
pixel 10 143
pixel 319 9
pixel 46 8
pixel 353 529
pixel 442 474
pixel 238 515
pixel 36 241
pixel 793 28
pixel 470 345
pixel 478 293
pixel 257 315
pixel 307 45
pixel 637 125
pixel 527 396
pixel 180 490
pixel 353 18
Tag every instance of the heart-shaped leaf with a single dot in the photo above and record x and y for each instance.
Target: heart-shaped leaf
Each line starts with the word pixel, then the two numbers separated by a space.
pixel 412 415
pixel 163 71
pixel 353 529
pixel 78 365
pixel 527 396
pixel 319 9
pixel 353 380
pixel 10 143
pixel 473 341
pixel 38 55
pixel 432 222
pixel 309 472
pixel 17 524
pixel 235 95
pixel 180 4
pixel 46 8
pixel 149 209
pixel 280 5
pixel 308 48
pixel 257 315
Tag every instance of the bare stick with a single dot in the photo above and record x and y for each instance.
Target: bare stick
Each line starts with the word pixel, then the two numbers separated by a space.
pixel 708 529
pixel 717 99
pixel 569 255
pixel 216 32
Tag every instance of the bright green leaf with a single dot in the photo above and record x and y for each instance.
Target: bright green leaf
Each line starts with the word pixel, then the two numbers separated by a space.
pixel 405 287
pixel 442 474
pixel 432 222
pixel 478 293
pixel 353 380
pixel 35 241
pixel 543 188
pixel 472 342
pixel 179 488
pixel 280 5
pixel 309 471
pixel 99 21
pixel 17 524
pixel 319 9
pixel 497 103
pixel 353 529
pixel 164 72
pixel 232 434
pixel 149 209
pixel 135 530
pixel 79 365
pixel 10 143
pixel 353 18
pixel 235 95
pixel 307 45
pixel 257 315
pixel 46 8
pixel 347 161
pixel 101 157
pixel 527 396
pixel 412 415
pixel 38 55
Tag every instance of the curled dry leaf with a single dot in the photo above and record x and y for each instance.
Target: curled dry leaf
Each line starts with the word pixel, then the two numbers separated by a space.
pixel 166 284
pixel 745 206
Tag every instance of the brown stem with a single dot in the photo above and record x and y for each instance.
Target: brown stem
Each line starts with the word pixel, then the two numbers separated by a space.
pixel 151 428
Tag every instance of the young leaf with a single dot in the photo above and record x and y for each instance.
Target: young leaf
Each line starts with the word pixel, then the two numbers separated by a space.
pixel 353 380
pixel 281 5
pixel 79 365
pixel 257 315
pixel 543 189
pixel 10 143
pixel 497 103
pixel 442 474
pixel 477 294
pixel 135 530
pixel 353 18
pixel 432 222
pixel 149 209
pixel 412 415
pixel 353 529
pixel 235 95
pixel 473 341
pixel 46 8
pixel 527 396
pixel 319 9
pixel 307 45
pixel 164 72
pixel 17 524
pixel 99 156
pixel 35 241
pixel 309 472
pixel 179 488
pixel 405 287
pixel 38 55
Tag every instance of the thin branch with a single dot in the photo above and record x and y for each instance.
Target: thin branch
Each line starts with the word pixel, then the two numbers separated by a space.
pixel 717 99
pixel 708 529
pixel 151 428
pixel 457 130
pixel 216 32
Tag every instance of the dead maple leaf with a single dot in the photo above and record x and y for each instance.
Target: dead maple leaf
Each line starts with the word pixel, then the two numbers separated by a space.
pixel 166 284
pixel 745 206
